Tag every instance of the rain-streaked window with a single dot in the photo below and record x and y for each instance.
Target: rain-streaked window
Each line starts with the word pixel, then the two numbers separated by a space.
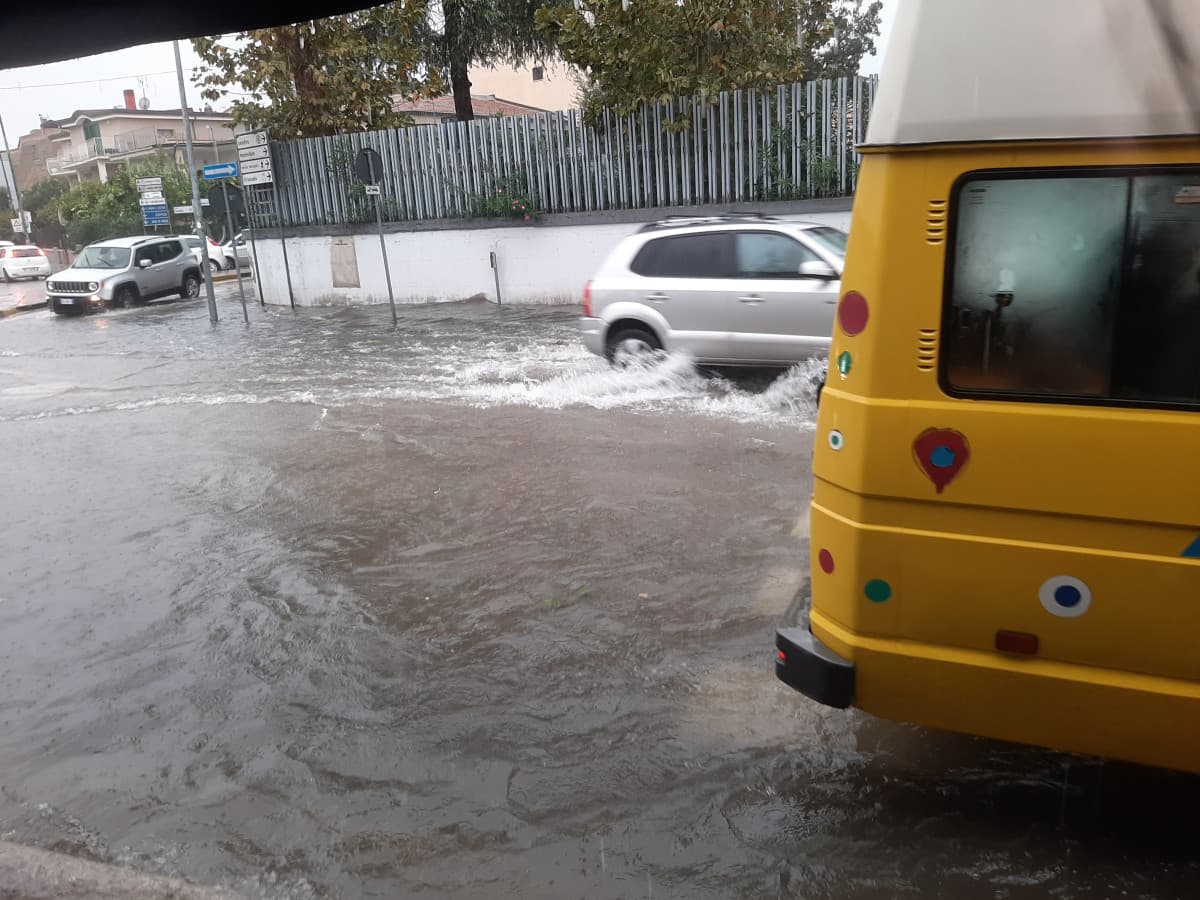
pixel 1076 285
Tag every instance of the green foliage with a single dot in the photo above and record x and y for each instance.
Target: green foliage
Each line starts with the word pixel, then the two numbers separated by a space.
pixel 850 28
pixel 5 199
pixel 658 49
pixel 483 32
pixel 508 198
pixel 95 211
pixel 818 176
pixel 322 77
pixel 42 200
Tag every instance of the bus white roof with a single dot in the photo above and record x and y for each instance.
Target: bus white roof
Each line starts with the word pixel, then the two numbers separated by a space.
pixel 971 70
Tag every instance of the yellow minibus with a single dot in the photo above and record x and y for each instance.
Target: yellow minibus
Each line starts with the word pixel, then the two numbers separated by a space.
pixel 1005 522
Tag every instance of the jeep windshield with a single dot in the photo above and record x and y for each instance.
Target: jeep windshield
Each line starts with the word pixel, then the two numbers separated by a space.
pixel 102 258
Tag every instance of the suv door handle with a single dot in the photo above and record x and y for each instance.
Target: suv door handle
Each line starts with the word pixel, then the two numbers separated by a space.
pixel 657 297
pixel 750 298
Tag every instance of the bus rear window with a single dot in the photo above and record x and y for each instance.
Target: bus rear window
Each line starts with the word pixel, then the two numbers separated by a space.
pixel 1076 286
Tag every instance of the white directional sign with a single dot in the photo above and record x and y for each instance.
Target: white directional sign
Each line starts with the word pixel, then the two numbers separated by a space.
pixel 373 190
pixel 152 201
pixel 250 179
pixel 262 152
pixel 255 165
pixel 149 184
pixel 251 139
pixel 181 210
pixel 156 196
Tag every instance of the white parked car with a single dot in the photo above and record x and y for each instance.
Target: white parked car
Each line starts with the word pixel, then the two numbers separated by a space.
pixel 23 261
pixel 238 248
pixel 217 260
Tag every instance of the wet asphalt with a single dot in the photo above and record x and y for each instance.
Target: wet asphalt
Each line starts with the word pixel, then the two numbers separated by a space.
pixel 322 608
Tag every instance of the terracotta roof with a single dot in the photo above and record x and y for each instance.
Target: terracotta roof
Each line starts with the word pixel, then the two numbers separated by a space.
pixel 484 106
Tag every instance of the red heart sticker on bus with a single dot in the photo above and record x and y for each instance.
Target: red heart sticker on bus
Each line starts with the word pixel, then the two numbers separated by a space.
pixel 941 453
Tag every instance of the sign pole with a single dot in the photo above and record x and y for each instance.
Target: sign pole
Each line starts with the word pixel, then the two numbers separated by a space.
pixel 287 269
pixel 368 159
pixel 236 265
pixel 196 211
pixel 251 209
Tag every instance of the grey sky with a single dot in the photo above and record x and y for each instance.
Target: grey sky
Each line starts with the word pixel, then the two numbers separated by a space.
pixel 56 90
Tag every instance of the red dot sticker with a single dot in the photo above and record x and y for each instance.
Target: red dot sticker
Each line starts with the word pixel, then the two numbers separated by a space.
pixel 825 559
pixel 853 313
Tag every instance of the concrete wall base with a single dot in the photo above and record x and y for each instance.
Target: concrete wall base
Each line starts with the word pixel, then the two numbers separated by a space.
pixel 546 262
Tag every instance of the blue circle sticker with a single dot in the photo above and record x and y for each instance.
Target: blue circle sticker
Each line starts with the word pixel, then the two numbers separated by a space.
pixel 1065 596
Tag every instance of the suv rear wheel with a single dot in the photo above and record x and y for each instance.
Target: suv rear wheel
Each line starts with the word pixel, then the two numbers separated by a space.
pixel 125 296
pixel 629 345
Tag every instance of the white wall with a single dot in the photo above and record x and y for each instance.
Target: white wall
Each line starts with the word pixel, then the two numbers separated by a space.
pixel 538 264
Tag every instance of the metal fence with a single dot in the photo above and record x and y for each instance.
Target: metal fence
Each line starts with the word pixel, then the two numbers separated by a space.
pixel 792 142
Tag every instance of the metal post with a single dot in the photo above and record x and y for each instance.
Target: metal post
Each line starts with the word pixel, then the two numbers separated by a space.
pixel 197 212
pixel 250 211
pixel 237 266
pixel 496 275
pixel 16 197
pixel 387 271
pixel 287 269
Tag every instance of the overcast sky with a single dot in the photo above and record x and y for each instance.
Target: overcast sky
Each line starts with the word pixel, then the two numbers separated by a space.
pixel 97 82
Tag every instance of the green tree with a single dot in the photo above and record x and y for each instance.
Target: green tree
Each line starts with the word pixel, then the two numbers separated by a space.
pixel 42 199
pixel 321 77
pixel 642 51
pixel 849 28
pixel 95 211
pixel 483 32
pixel 5 198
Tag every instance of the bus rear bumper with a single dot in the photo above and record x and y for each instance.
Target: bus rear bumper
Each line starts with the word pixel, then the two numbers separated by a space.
pixel 811 668
pixel 1136 717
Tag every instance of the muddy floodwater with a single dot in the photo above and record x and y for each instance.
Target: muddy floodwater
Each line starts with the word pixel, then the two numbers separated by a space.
pixel 319 608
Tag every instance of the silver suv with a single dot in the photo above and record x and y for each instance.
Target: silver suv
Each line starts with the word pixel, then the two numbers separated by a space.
pixel 734 289
pixel 123 272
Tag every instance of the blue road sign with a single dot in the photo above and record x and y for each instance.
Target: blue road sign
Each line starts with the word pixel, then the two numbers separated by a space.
pixel 220 170
pixel 155 215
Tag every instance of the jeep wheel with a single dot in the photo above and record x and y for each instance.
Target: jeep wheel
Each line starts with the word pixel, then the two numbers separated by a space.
pixel 126 296
pixel 190 289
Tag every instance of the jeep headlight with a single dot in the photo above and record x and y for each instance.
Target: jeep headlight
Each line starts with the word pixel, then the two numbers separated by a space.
pixel 93 285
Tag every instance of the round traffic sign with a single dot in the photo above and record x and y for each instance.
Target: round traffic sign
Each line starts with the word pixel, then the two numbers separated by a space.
pixel 368 166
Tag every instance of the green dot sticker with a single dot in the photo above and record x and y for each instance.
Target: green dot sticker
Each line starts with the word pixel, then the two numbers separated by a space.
pixel 835 440
pixel 844 362
pixel 878 590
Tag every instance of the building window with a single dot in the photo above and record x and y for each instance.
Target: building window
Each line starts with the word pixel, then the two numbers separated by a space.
pixel 539 73
pixel 91 130
pixel 1078 285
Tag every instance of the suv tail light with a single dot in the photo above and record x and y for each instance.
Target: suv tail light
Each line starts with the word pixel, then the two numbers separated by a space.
pixel 587 299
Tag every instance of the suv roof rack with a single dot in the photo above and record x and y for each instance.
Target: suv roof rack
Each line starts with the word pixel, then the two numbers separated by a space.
pixel 679 220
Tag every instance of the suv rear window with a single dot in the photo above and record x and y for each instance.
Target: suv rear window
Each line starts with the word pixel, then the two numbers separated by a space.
pixel 685 256
pixel 1075 285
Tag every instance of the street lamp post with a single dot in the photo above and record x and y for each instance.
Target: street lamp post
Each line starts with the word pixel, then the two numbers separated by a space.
pixel 197 212
pixel 16 197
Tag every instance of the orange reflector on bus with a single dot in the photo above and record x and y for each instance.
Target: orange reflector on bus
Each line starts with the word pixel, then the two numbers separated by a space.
pixel 1016 642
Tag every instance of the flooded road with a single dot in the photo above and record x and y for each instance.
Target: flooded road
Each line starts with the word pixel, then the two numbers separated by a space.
pixel 319 608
